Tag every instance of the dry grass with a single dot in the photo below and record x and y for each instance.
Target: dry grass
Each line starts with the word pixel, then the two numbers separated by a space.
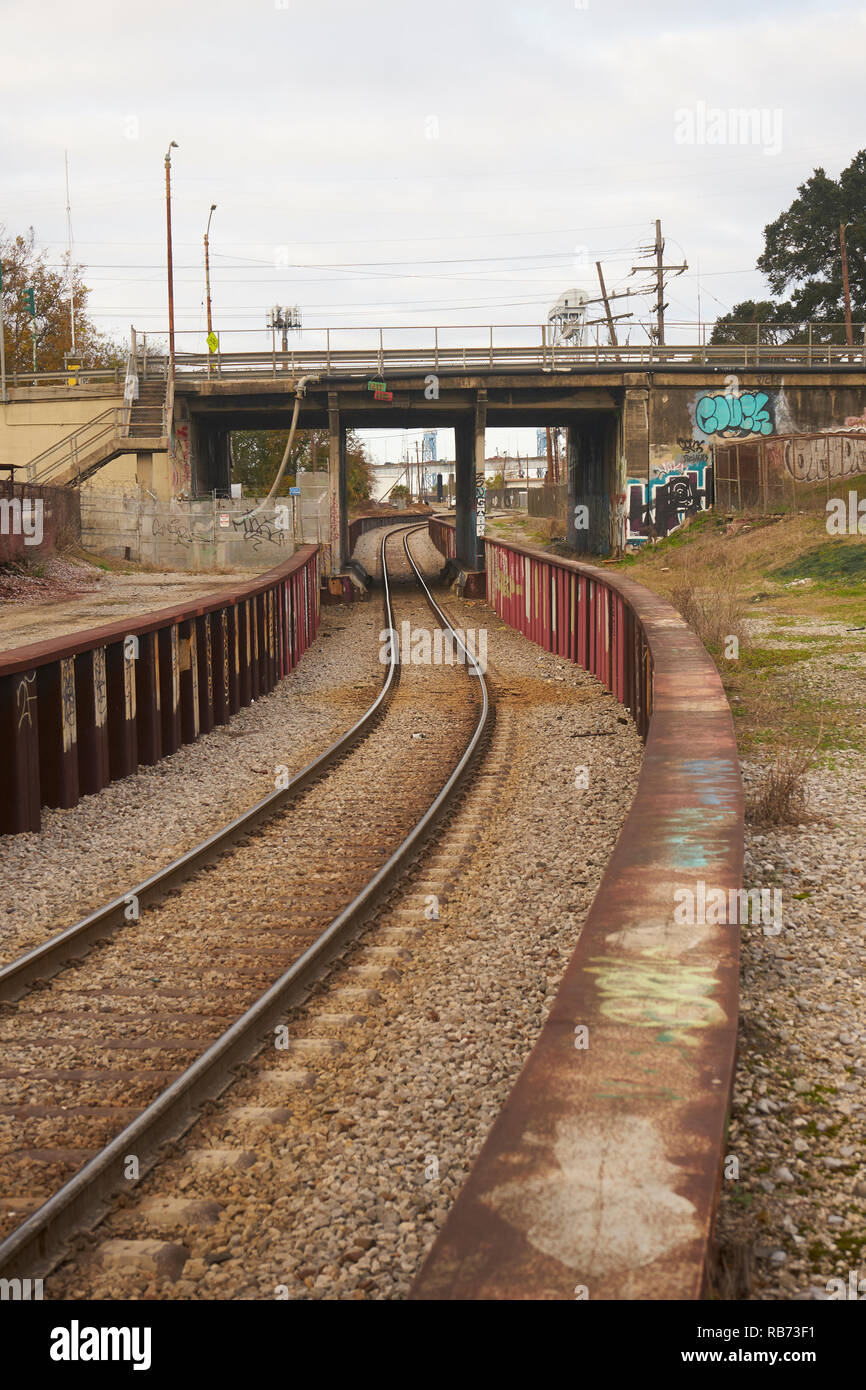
pixel 712 601
pixel 780 795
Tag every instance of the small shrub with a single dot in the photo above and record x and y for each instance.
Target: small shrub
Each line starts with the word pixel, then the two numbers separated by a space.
pixel 780 794
pixel 714 609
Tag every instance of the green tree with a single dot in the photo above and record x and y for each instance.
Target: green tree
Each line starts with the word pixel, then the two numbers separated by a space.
pixel 25 268
pixel 802 258
pixel 257 455
pixel 739 325
pixel 358 477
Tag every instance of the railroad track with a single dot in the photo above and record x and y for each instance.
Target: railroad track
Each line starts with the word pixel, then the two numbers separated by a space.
pixel 108 1058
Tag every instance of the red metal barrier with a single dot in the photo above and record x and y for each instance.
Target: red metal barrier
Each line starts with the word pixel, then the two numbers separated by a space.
pixel 83 709
pixel 362 524
pixel 600 1176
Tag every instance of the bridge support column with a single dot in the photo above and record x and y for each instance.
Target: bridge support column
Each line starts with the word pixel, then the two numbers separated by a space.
pixel 636 432
pixel 337 487
pixel 591 481
pixel 470 458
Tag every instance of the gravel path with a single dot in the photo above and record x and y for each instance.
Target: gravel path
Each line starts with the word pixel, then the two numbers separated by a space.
pixel 97 598
pixel 795 1217
pixel 327 1169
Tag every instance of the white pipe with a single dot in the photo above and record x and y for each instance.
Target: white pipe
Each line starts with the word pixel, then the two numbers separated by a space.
pixel 299 391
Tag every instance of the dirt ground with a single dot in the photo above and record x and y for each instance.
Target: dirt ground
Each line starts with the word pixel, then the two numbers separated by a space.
pixel 64 595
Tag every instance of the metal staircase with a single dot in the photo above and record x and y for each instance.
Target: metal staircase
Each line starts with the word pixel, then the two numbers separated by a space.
pixel 141 425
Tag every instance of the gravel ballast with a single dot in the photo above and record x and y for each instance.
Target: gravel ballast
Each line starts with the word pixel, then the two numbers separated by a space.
pixel 400 1060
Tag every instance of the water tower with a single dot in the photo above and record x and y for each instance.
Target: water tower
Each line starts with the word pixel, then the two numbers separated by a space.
pixel 567 317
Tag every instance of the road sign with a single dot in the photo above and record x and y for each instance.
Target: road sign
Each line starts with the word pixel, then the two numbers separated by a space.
pixel 225 520
pixel 377 385
pixel 383 395
pixel 212 341
pixel 294 492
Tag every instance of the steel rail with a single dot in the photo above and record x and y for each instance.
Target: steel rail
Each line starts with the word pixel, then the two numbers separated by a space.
pixel 36 1244
pixel 45 960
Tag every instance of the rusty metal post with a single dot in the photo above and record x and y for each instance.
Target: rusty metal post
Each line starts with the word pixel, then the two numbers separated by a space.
pixel 234 615
pixel 148 700
pixel 19 731
pixel 58 735
pixel 244 641
pixel 188 680
pixel 91 699
pixel 221 659
pixel 169 693
pixel 120 669
pixel 204 652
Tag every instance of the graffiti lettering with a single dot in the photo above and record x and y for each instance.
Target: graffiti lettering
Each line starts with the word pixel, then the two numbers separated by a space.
pixel 734 417
pixel 480 504
pixel 658 992
pixel 177 531
pixel 813 460
pixel 256 530
pixel 26 696
pixel 659 506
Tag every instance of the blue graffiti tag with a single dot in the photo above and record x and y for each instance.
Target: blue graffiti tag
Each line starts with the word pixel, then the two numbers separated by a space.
pixel 732 417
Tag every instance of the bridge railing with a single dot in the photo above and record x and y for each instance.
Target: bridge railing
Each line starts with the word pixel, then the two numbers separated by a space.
pixel 476 347
pixel 600 1176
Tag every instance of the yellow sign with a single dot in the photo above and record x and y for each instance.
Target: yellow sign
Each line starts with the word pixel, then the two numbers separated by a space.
pixel 212 342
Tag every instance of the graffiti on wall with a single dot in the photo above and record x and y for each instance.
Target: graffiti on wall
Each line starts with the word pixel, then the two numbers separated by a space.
pixel 181 474
pixel 814 459
pixel 728 416
pixel 659 506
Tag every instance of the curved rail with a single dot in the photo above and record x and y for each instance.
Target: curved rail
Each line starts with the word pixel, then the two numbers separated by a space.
pixel 34 1243
pixel 45 960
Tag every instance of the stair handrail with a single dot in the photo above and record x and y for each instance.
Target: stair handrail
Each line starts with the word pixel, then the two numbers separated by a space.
pixel 38 468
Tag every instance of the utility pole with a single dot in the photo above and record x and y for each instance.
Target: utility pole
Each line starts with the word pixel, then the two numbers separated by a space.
pixel 849 332
pixel 610 328
pixel 2 342
pixel 69 254
pixel 661 270
pixel 660 282
pixel 169 263
pixel 548 481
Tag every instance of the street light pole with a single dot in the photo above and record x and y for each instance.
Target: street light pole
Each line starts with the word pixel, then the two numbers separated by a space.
pixel 207 269
pixel 172 146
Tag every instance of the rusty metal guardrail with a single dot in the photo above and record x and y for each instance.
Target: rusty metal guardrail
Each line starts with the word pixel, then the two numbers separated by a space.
pixel 600 1176
pixel 81 710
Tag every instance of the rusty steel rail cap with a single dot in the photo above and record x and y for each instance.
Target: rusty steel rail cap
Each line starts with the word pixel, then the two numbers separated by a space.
pixel 18 659
pixel 600 1175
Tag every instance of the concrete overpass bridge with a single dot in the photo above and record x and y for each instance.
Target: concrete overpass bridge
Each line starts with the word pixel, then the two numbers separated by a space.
pixel 634 414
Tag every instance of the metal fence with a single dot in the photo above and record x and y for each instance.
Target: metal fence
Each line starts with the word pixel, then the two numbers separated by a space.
pixel 642 984
pixel 786 470
pixel 79 711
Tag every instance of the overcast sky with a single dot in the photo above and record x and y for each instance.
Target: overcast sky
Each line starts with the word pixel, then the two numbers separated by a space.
pixel 405 163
